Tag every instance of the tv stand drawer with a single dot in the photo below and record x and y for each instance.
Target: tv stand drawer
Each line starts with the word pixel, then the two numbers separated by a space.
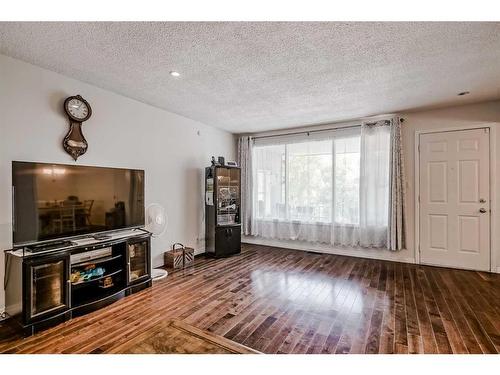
pixel 90 255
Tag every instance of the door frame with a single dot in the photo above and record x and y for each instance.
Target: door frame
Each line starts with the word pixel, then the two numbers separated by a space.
pixel 493 198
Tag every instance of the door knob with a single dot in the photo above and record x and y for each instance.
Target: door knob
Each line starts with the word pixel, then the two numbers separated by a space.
pixel 482 200
pixel 482 210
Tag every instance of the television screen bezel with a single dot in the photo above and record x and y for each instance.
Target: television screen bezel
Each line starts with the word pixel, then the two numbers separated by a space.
pixel 16 245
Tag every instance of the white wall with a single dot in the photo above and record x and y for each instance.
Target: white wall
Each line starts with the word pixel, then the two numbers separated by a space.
pixel 451 117
pixel 122 132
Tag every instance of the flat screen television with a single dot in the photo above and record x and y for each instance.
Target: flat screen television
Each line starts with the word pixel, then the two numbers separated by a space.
pixel 55 201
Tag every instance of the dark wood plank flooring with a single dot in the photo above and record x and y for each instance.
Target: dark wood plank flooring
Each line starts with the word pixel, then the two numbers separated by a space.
pixel 285 301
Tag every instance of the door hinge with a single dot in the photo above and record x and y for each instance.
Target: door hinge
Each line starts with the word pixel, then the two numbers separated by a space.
pixel 418 148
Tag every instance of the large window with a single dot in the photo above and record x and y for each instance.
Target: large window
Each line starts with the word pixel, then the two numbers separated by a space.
pixel 330 188
pixel 310 182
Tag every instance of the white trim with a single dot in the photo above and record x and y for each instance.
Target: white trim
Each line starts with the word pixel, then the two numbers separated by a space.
pixel 378 254
pixel 308 135
pixel 493 199
pixel 312 127
pixel 338 125
pixel 416 184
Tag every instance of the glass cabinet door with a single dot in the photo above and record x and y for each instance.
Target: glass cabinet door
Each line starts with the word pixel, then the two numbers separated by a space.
pixel 48 287
pixel 138 261
pixel 228 196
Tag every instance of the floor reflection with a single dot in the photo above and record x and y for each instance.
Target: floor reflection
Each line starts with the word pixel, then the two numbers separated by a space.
pixel 310 290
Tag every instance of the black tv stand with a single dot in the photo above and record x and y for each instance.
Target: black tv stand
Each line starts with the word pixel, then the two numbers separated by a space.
pixel 102 237
pixel 44 288
pixel 49 246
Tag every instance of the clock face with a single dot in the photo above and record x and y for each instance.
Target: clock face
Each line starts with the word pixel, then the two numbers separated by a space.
pixel 77 108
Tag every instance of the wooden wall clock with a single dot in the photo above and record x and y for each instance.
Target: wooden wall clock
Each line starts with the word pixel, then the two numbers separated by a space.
pixel 78 111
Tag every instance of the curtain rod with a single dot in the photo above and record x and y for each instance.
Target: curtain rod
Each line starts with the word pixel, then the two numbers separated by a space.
pixel 311 131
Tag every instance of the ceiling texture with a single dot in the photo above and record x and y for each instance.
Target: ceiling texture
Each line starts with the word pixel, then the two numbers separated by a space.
pixel 257 76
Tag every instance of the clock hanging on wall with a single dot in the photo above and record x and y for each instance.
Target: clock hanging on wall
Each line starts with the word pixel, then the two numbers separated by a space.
pixel 78 111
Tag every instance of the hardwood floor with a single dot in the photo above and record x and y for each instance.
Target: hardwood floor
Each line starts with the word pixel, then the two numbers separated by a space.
pixel 285 301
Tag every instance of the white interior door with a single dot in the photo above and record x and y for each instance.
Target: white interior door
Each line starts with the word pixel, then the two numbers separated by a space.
pixel 455 199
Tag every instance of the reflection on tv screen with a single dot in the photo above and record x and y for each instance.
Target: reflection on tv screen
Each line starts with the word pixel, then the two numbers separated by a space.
pixel 56 201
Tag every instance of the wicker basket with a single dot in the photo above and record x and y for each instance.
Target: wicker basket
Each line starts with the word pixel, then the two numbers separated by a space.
pixel 188 256
pixel 179 257
pixel 174 258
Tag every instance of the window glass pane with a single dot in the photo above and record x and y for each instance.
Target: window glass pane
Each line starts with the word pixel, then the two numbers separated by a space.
pixel 310 181
pixel 314 181
pixel 347 180
pixel 269 179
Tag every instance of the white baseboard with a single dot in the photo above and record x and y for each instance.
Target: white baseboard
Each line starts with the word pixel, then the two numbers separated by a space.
pixel 403 256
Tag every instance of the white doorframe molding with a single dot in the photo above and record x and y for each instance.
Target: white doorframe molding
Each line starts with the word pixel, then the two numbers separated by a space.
pixel 493 198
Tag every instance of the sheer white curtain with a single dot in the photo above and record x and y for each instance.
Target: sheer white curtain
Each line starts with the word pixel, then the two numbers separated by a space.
pixel 374 186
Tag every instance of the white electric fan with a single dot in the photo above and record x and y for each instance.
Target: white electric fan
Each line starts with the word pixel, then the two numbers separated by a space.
pixel 156 224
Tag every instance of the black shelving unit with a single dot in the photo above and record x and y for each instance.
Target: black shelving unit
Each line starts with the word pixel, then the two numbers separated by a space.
pixel 223 211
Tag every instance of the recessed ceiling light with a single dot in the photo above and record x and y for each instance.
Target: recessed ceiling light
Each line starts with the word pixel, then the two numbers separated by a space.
pixel 463 93
pixel 175 74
